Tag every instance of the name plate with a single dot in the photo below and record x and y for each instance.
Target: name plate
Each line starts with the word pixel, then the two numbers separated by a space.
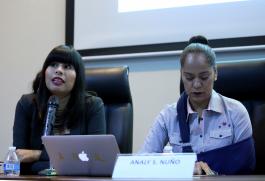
pixel 168 166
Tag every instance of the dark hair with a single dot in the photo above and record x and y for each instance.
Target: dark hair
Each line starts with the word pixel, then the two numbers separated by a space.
pixel 76 103
pixel 36 82
pixel 199 48
pixel 199 39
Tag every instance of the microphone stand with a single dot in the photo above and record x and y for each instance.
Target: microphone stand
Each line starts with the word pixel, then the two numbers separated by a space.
pixel 49 121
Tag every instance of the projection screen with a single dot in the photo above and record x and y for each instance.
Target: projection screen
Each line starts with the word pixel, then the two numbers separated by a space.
pixel 100 27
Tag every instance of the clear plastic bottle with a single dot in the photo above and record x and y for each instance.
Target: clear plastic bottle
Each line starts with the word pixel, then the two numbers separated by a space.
pixel 12 163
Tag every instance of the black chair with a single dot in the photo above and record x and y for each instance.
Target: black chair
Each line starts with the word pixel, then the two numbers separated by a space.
pixel 112 86
pixel 245 81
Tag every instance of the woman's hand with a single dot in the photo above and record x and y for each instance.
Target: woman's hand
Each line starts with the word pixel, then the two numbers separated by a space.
pixel 201 168
pixel 28 155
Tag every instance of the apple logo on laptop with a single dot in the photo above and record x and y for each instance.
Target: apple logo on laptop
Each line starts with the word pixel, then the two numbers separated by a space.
pixel 83 156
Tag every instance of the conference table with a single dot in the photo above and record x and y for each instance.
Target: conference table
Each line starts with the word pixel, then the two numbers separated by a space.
pixel 195 178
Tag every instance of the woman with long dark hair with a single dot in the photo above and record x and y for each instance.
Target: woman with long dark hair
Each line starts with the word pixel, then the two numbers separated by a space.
pixel 79 112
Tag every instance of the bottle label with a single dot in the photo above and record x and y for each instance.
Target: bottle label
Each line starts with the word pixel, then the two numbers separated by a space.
pixel 11 166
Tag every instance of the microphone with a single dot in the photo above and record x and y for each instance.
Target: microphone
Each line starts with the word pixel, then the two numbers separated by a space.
pixel 53 103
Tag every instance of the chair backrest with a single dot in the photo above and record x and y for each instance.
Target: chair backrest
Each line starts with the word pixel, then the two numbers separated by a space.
pixel 112 85
pixel 245 81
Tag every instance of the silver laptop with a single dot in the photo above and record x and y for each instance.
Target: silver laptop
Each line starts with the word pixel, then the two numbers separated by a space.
pixel 93 155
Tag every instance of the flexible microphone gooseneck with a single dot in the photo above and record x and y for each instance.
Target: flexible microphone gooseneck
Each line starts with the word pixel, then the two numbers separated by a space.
pixel 52 106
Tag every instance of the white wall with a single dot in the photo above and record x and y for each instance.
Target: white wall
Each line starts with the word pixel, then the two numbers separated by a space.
pixel 151 91
pixel 29 30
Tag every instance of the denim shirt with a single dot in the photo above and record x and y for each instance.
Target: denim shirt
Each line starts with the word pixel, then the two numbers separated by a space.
pixel 224 122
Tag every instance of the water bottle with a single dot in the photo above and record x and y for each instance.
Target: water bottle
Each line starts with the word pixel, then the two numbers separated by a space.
pixel 12 163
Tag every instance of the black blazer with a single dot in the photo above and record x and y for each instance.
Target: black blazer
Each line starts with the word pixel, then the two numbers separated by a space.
pixel 28 128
